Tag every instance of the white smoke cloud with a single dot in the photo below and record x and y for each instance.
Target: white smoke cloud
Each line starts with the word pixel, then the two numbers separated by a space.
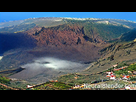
pixel 50 62
pixel 43 69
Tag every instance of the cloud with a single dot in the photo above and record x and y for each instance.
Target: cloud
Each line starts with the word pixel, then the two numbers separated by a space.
pixel 45 68
pixel 51 62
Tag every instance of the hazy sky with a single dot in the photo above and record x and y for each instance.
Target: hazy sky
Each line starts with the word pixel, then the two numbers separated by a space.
pixel 10 16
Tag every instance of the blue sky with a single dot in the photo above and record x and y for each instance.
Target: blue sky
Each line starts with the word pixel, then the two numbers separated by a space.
pixel 10 16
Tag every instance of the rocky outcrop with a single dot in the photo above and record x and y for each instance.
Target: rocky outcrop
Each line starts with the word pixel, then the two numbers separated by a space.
pixel 78 41
pixel 67 35
pixel 67 41
pixel 58 36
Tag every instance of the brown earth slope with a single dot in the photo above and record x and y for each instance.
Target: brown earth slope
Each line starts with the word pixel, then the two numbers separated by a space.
pixel 67 41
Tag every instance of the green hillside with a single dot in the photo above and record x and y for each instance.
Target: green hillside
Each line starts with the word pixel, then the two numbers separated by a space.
pixel 129 36
pixel 105 31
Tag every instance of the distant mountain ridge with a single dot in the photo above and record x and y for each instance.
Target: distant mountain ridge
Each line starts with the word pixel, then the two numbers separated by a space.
pixel 37 21
pixel 52 21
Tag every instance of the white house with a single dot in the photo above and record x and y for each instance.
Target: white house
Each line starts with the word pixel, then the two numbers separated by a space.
pixel 112 77
pixel 127 87
pixel 125 77
pixel 29 86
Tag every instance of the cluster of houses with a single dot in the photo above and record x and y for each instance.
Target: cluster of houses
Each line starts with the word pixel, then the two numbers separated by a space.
pixel 113 77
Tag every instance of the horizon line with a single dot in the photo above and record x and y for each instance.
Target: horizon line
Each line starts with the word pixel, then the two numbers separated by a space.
pixel 74 18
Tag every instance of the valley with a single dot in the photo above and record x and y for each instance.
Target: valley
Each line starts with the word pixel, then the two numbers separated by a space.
pixel 47 68
pixel 39 50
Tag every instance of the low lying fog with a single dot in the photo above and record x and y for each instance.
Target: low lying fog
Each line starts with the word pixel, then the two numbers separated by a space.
pixel 50 62
pixel 43 69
